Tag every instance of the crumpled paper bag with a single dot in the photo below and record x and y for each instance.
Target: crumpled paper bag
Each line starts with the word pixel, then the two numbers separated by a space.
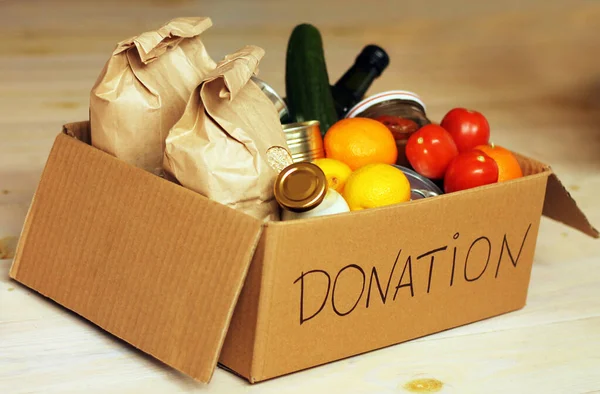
pixel 219 146
pixel 143 90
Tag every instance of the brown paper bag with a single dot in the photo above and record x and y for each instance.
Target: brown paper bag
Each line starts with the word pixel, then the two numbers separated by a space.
pixel 219 146
pixel 143 90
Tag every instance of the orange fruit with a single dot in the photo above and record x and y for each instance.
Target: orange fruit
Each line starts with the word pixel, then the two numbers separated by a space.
pixel 508 166
pixel 360 141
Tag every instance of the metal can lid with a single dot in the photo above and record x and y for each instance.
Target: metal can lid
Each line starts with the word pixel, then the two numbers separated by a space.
pixel 300 187
pixel 275 98
pixel 403 95
pixel 421 187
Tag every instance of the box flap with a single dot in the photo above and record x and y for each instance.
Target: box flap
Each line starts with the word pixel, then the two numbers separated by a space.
pixel 151 262
pixel 560 206
pixel 558 203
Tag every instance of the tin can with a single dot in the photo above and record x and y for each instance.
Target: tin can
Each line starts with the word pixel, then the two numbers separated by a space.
pixel 304 140
pixel 420 186
pixel 399 103
pixel 275 98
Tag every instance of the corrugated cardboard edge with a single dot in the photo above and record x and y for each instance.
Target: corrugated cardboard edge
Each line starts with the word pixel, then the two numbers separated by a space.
pixel 238 349
pixel 262 322
pixel 249 255
pixel 14 268
pixel 254 371
pixel 12 273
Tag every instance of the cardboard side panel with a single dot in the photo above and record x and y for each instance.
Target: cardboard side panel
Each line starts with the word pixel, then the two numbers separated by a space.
pixel 151 262
pixel 237 353
pixel 351 283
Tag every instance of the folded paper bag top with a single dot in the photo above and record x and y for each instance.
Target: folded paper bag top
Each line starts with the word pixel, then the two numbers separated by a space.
pixel 143 90
pixel 219 146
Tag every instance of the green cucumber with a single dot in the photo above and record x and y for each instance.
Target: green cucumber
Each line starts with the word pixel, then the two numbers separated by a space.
pixel 307 85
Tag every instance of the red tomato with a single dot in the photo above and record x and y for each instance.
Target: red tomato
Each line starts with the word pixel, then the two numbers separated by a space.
pixel 470 169
pixel 468 128
pixel 401 128
pixel 430 150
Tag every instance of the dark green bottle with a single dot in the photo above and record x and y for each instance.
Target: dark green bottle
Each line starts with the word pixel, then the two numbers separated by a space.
pixel 353 85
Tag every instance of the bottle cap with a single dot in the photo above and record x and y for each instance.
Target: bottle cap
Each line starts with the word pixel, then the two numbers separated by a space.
pixel 373 56
pixel 300 187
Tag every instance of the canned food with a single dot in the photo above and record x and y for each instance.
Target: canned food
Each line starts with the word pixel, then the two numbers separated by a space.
pixel 387 107
pixel 275 98
pixel 300 187
pixel 304 140
pixel 400 103
pixel 421 187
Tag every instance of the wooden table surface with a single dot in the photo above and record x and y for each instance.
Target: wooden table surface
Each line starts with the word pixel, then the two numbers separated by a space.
pixel 532 67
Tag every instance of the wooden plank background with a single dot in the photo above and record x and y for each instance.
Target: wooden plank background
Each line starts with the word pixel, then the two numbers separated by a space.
pixel 532 67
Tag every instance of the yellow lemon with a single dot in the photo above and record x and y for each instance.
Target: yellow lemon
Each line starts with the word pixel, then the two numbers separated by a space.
pixel 376 185
pixel 335 171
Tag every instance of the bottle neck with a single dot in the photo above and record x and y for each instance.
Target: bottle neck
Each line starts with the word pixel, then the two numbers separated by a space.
pixel 351 87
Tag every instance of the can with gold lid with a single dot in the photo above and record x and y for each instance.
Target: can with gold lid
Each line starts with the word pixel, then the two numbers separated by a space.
pixel 304 140
pixel 300 187
pixel 301 190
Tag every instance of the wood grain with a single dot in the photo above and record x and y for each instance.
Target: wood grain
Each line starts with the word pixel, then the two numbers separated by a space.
pixel 532 67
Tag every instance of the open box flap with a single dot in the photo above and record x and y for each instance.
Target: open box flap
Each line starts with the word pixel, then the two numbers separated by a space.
pixel 558 203
pixel 151 262
pixel 560 206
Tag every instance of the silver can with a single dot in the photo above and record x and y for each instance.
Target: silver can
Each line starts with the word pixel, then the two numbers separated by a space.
pixel 420 186
pixel 275 98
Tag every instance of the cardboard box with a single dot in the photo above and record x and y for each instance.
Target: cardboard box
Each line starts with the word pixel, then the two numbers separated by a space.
pixel 193 282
